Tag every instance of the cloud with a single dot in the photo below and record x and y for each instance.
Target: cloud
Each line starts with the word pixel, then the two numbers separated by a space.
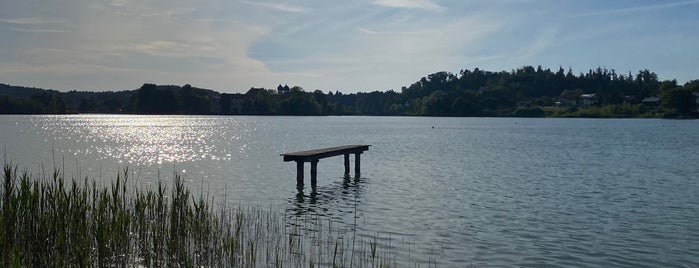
pixel 419 42
pixel 29 21
pixel 125 43
pixel 399 51
pixel 33 25
pixel 180 48
pixel 30 30
pixel 119 3
pixel 351 45
pixel 277 6
pixel 639 8
pixel 409 4
pixel 546 39
pixel 373 32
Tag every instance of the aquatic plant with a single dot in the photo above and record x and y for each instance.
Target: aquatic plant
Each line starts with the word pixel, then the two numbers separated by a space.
pixel 52 222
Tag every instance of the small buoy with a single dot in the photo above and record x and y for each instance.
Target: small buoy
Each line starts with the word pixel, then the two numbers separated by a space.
pixel 432 126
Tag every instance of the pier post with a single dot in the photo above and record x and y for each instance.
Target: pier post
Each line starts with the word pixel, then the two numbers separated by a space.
pixel 299 175
pixel 357 160
pixel 313 156
pixel 314 174
pixel 347 168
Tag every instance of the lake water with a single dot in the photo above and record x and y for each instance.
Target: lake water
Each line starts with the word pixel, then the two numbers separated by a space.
pixel 455 191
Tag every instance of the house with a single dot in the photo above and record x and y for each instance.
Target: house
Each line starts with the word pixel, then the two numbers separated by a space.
pixel 281 90
pixel 568 98
pixel 651 102
pixel 567 101
pixel 235 103
pixel 572 98
pixel 587 100
pixel 252 93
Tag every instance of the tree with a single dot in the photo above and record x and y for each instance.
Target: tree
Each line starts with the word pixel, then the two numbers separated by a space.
pixel 224 103
pixel 436 104
pixel 466 104
pixel 319 97
pixel 299 103
pixel 194 100
pixel 679 100
pixel 571 94
pixel 149 99
pixel 648 83
pixel 692 85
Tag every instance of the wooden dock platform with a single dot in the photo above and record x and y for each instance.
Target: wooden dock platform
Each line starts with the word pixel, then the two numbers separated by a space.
pixel 313 156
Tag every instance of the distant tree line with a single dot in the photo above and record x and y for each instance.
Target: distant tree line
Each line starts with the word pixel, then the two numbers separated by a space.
pixel 38 103
pixel 527 91
pixel 483 93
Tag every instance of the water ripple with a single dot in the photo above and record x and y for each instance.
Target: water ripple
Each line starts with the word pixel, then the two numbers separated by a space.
pixel 472 191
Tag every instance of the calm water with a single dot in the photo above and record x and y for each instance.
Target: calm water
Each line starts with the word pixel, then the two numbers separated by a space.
pixel 482 191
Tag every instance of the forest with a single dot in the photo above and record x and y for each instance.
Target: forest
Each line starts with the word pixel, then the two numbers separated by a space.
pixel 524 92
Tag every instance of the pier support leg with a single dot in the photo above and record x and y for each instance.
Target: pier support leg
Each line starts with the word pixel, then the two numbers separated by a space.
pixel 357 160
pixel 299 175
pixel 314 174
pixel 347 168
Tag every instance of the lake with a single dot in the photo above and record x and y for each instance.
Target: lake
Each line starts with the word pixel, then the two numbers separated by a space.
pixel 450 191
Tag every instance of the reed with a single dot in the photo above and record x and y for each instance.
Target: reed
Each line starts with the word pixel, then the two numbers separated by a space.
pixel 52 222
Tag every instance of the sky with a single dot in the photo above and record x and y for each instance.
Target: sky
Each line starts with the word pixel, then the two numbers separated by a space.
pixel 350 46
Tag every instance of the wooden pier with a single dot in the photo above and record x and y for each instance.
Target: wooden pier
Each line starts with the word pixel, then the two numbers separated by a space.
pixel 313 156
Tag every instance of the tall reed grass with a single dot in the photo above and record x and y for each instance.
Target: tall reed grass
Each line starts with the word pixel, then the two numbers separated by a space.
pixel 52 222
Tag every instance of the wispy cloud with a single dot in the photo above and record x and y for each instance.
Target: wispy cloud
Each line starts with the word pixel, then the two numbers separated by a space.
pixel 546 38
pixel 383 45
pixel 172 48
pixel 119 3
pixel 30 30
pixel 28 21
pixel 373 32
pixel 639 8
pixel 351 45
pixel 410 4
pixel 277 6
pixel 32 25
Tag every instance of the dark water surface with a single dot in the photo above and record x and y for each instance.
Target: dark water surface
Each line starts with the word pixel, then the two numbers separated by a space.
pixel 482 191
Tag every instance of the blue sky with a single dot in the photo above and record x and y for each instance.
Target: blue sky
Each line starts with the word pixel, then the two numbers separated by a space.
pixel 362 45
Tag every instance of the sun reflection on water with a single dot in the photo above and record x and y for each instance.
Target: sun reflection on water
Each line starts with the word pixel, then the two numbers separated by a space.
pixel 145 139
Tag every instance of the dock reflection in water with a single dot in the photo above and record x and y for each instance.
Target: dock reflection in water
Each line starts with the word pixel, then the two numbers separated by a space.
pixel 332 201
pixel 327 223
